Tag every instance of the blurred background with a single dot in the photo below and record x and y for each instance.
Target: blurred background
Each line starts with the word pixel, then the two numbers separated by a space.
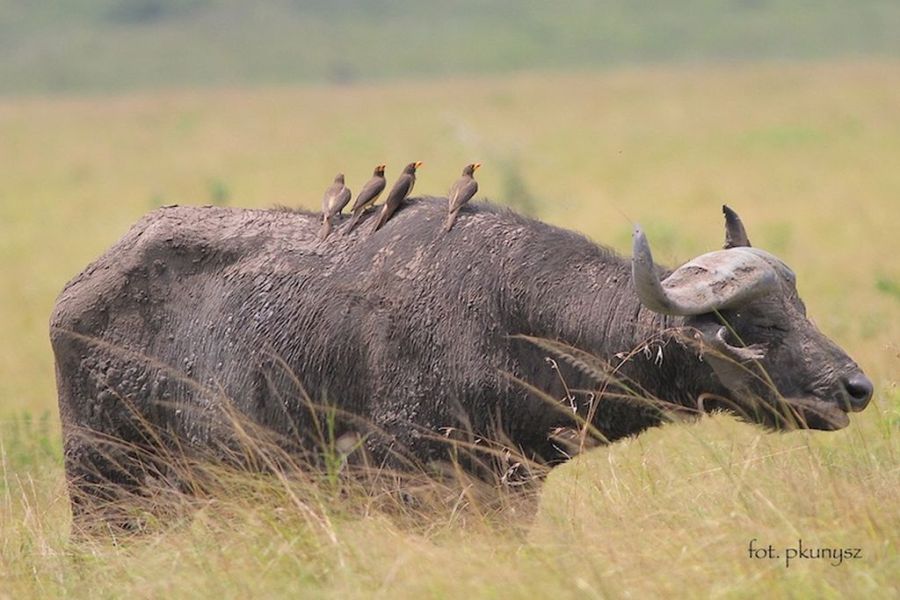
pixel 587 115
pixel 117 45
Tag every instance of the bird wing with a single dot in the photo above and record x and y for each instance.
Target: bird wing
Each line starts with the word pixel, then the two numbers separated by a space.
pixel 369 193
pixel 453 194
pixel 342 200
pixel 461 192
pixel 330 195
pixel 401 189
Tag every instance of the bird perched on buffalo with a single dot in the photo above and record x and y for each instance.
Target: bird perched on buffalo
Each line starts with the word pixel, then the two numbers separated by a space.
pixel 402 188
pixel 367 196
pixel 336 197
pixel 461 192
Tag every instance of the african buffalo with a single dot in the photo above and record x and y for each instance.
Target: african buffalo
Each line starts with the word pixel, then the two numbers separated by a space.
pixel 504 328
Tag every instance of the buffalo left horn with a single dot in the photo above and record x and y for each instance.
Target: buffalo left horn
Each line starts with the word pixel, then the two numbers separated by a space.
pixel 713 281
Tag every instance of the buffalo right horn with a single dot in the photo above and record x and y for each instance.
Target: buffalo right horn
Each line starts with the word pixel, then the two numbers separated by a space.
pixel 735 234
pixel 713 281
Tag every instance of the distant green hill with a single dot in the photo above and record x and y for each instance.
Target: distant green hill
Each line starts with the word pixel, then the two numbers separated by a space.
pixel 86 45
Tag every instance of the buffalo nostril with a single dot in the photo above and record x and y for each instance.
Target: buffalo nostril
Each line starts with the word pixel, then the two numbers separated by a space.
pixel 860 389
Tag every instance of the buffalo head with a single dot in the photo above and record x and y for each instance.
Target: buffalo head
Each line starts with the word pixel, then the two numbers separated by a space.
pixel 739 306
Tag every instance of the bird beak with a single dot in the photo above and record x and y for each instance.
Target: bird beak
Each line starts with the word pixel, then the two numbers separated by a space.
pixel 419 163
pixel 476 166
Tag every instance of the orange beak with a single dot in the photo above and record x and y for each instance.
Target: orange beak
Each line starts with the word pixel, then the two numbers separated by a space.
pixel 419 163
pixel 476 166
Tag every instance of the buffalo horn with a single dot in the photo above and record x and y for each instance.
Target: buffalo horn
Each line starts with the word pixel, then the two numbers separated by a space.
pixel 713 281
pixel 735 234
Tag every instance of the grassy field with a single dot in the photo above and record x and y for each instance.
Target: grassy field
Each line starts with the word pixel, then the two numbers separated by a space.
pixel 807 154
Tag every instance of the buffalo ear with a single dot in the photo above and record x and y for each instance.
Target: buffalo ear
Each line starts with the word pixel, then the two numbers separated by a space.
pixel 735 235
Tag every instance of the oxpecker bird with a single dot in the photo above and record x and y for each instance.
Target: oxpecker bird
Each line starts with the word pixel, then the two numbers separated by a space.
pixel 367 196
pixel 399 192
pixel 461 192
pixel 333 202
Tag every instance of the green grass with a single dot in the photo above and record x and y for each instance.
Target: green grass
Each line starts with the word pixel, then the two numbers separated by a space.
pixel 806 153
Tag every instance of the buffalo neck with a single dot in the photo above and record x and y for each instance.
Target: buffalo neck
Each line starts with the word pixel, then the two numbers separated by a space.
pixel 591 305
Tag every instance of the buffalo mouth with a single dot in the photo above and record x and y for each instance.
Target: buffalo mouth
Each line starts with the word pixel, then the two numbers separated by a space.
pixel 814 413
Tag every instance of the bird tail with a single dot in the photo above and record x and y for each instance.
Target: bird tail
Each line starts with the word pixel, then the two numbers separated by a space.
pixel 353 221
pixel 451 219
pixel 382 217
pixel 325 229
